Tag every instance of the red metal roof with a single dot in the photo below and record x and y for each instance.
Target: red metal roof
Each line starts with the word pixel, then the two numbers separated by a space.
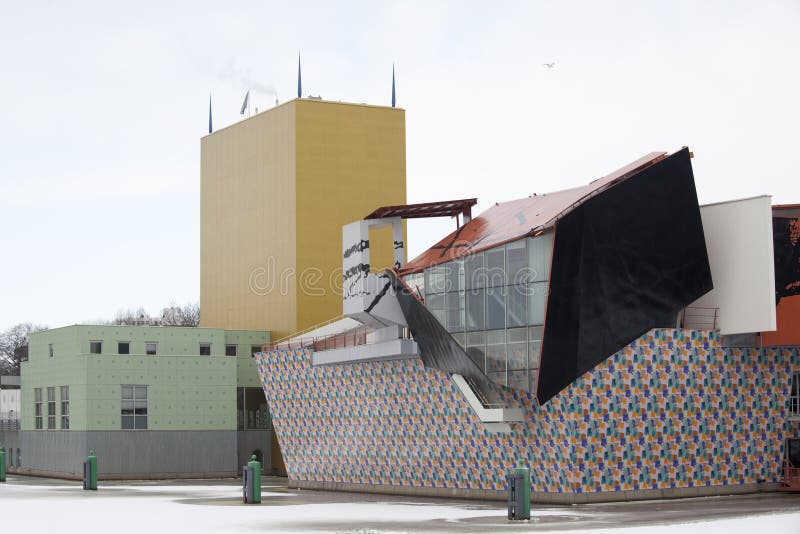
pixel 445 208
pixel 509 221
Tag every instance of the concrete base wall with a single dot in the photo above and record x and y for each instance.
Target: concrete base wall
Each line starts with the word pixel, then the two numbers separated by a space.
pixel 9 441
pixel 537 496
pixel 149 454
pixel 249 441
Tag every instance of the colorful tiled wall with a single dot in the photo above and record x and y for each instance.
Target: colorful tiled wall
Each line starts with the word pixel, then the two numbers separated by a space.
pixel 672 409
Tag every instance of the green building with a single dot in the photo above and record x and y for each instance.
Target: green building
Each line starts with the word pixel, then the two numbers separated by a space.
pixel 151 401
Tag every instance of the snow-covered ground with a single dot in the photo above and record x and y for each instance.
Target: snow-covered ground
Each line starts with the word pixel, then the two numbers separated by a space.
pixel 30 505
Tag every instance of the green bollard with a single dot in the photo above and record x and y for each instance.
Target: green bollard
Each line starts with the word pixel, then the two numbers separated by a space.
pixel 92 461
pixel 526 489
pixel 2 464
pixel 256 465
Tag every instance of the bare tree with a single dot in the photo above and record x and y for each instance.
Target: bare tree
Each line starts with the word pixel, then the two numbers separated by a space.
pixel 14 346
pixel 186 315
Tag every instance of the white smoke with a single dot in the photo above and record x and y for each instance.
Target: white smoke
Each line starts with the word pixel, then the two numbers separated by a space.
pixel 232 73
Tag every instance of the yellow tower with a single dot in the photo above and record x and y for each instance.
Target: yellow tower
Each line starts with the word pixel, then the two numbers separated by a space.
pixel 276 190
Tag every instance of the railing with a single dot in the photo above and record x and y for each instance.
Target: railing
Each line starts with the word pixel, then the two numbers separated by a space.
pixel 338 340
pixel 7 424
pixel 790 476
pixel 700 318
pixel 303 331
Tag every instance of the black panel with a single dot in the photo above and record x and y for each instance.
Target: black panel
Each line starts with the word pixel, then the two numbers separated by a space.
pixel 437 347
pixel 787 257
pixel 624 262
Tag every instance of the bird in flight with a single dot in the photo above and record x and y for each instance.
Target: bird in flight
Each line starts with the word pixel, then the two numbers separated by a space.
pixel 549 65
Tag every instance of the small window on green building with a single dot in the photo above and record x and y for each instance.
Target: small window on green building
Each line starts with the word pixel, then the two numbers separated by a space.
pixel 96 347
pixel 205 349
pixel 50 347
pixel 254 349
pixel 151 348
pixel 123 347
pixel 231 350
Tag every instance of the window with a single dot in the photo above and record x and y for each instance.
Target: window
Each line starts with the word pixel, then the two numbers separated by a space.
pixel 95 347
pixel 50 347
pixel 37 398
pixel 151 348
pixel 794 397
pixel 133 407
pixel 254 349
pixel 231 350
pixel 64 407
pixel 205 349
pixel 493 304
pixel 252 410
pixel 123 347
pixel 51 408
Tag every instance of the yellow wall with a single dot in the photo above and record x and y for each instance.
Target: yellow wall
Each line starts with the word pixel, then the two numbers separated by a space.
pixel 247 222
pixel 293 174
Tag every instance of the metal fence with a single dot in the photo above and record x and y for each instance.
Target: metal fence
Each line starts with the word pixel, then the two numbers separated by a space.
pixel 9 423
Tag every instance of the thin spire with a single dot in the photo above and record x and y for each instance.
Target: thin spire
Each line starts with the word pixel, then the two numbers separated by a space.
pixel 299 79
pixel 210 128
pixel 394 100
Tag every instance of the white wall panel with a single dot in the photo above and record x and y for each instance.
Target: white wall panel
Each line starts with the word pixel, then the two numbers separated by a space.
pixel 739 242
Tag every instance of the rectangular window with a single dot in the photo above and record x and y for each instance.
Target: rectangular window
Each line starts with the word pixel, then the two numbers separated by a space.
pixel 231 350
pixel 454 276
pixel 435 280
pixel 496 356
pixel 476 348
pixel 495 308
pixel 495 267
pixel 50 347
pixel 794 397
pixel 252 410
pixel 539 250
pixel 516 308
pixel 151 348
pixel 133 407
pixel 64 407
pixel 537 299
pixel 37 403
pixel 95 347
pixel 123 347
pixel 51 408
pixel 205 349
pixel 516 262
pixel 475 303
pixel 534 345
pixel 474 273
pixel 254 349
pixel 454 303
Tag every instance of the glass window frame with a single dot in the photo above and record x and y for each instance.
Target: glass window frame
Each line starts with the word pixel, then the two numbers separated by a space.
pixel 205 347
pixel 135 396
pixel 98 344
pixel 64 398
pixel 51 408
pixel 235 350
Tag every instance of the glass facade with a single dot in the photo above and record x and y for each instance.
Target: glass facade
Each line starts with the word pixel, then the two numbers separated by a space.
pixel 493 303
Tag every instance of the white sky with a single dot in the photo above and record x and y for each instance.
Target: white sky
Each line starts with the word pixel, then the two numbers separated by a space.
pixel 103 105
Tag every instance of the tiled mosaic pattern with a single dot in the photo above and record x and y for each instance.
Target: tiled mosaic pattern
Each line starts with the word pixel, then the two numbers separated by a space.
pixel 672 409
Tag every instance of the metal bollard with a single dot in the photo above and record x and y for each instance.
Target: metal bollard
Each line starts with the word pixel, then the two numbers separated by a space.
pixel 90 472
pixel 251 481
pixel 2 464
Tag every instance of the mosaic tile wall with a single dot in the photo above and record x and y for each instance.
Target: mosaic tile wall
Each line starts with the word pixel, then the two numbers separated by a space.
pixel 672 409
